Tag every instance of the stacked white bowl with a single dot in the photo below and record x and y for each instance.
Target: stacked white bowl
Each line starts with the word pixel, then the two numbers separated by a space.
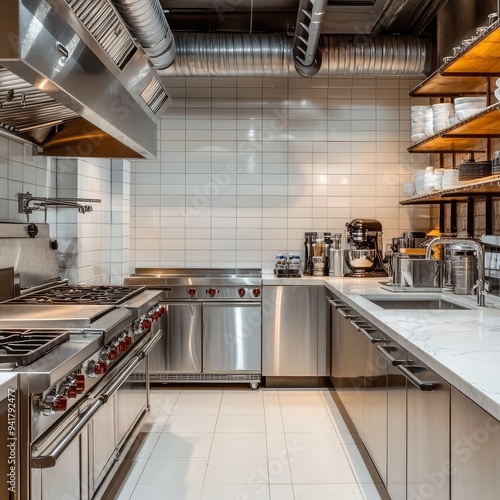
pixel 468 106
pixel 497 91
pixel 418 179
pixel 429 180
pixel 438 178
pixel 421 123
pixel 409 188
pixel 443 116
pixel 450 178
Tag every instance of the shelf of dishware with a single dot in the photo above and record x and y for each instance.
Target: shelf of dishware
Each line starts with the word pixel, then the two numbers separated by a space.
pixel 467 72
pixel 485 186
pixel 468 135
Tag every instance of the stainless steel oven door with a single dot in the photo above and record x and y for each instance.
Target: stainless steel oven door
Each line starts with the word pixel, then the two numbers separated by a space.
pixel 231 337
pixel 69 476
pixel 132 401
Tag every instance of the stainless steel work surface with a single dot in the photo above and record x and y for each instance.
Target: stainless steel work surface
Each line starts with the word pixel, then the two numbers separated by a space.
pixel 50 316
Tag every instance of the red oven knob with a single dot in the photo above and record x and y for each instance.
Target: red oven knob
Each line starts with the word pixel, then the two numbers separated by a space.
pixel 155 316
pixel 112 354
pixel 145 324
pixel 101 367
pixel 256 292
pixel 80 383
pixel 163 309
pixel 59 404
pixel 212 292
pixel 122 345
pixel 192 292
pixel 241 292
pixel 128 341
pixel 72 391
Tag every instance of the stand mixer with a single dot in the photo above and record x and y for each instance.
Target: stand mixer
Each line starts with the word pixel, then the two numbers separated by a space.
pixel 364 258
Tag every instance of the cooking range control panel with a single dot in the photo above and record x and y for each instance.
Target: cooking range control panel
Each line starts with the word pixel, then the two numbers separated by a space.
pixel 57 399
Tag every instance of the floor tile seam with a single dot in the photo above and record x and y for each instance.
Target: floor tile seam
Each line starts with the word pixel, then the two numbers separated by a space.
pixel 212 441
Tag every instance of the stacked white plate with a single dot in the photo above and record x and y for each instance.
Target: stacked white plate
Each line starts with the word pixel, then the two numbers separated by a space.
pixel 443 116
pixel 421 123
pixel 418 179
pixel 468 106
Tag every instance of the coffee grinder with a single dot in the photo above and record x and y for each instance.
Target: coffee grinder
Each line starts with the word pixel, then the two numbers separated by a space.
pixel 364 258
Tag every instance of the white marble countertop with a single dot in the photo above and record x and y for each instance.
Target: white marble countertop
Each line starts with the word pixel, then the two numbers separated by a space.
pixel 463 346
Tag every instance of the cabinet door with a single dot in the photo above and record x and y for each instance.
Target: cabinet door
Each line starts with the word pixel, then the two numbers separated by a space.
pixel 103 442
pixel 231 337
pixel 396 424
pixel 475 451
pixel 348 366
pixel 179 349
pixel 374 429
pixel 428 437
pixel 289 331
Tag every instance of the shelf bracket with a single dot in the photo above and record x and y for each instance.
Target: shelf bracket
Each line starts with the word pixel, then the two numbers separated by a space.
pixel 470 217
pixel 488 223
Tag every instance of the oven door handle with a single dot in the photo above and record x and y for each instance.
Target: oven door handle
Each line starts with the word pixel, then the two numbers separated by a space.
pixel 50 458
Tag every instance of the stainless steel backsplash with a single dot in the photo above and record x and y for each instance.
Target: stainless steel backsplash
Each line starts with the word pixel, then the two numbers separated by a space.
pixel 33 259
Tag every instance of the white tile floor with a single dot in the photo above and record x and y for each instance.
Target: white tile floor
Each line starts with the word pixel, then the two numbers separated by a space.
pixel 238 444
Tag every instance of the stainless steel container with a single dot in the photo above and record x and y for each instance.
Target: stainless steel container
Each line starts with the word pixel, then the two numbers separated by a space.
pixel 418 272
pixel 463 272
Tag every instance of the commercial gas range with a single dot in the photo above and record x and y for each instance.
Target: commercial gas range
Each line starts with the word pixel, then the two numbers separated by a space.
pixel 74 349
pixel 213 330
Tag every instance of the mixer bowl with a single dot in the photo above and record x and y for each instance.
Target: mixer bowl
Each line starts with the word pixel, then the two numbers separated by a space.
pixel 360 261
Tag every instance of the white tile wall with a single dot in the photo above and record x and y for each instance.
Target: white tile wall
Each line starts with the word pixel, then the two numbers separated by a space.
pixel 247 165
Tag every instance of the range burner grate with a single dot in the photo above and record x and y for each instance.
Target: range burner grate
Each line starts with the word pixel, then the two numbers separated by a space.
pixel 23 347
pixel 80 294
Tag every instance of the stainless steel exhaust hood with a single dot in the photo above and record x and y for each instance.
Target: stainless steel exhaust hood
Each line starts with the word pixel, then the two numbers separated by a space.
pixel 74 82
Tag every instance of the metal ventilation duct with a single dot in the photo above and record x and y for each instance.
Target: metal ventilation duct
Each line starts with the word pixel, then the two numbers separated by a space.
pixel 204 54
pixel 306 53
pixel 148 25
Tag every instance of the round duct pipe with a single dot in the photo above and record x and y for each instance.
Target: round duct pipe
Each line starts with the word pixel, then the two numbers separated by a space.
pixel 269 55
pixel 148 25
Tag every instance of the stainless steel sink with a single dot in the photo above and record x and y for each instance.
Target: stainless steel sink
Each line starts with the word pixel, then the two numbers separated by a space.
pixel 414 303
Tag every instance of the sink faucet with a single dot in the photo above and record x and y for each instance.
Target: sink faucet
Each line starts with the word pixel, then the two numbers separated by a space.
pixel 480 288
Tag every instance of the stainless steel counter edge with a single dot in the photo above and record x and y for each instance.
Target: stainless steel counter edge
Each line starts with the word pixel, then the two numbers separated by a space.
pixel 462 346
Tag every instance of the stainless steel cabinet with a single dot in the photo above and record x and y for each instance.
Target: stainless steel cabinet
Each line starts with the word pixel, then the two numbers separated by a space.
pixel 475 451
pixel 428 432
pixel 347 368
pixel 359 375
pixel 289 330
pixel 179 350
pixel 373 430
pixel 227 349
pixel 396 419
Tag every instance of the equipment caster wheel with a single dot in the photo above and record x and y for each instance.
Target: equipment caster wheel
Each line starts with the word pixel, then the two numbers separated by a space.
pixel 254 385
